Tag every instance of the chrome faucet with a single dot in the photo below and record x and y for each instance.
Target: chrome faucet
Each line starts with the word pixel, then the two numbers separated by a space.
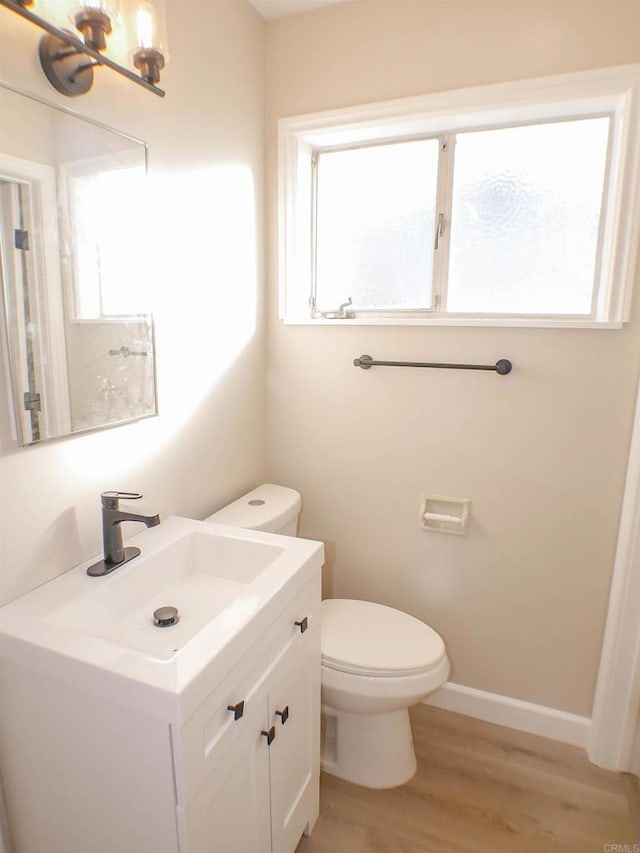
pixel 115 554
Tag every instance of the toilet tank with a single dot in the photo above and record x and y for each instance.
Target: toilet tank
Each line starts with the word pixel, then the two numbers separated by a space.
pixel 274 509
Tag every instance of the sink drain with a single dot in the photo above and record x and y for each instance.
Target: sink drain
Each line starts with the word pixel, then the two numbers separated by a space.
pixel 165 616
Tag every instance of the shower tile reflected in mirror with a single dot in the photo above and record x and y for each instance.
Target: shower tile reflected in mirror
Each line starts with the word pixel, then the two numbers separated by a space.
pixel 74 271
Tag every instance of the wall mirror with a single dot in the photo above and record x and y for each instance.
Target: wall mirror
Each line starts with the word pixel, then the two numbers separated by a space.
pixel 79 332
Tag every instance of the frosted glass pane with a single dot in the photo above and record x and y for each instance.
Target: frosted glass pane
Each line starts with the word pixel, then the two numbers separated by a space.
pixel 525 218
pixel 375 226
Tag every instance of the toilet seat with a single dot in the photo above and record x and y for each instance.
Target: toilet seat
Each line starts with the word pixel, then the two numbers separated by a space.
pixel 369 639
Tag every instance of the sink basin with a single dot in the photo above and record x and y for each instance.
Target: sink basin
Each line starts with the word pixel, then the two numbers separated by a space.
pixel 201 574
pixel 99 633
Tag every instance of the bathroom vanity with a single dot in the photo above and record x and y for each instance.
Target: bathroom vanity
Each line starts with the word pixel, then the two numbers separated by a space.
pixel 198 737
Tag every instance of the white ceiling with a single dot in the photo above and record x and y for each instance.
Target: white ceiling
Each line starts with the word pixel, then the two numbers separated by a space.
pixel 281 8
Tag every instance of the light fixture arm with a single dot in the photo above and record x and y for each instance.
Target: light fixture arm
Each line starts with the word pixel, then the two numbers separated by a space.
pixel 79 46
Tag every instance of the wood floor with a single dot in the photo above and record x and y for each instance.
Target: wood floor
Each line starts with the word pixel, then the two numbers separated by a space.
pixel 481 787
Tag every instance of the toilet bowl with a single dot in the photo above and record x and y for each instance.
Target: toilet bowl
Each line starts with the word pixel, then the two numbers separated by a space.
pixel 376 663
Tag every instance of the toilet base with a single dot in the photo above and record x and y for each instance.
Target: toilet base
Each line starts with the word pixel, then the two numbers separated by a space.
pixel 374 750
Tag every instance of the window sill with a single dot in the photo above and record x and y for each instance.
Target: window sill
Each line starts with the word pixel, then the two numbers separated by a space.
pixel 488 322
pixel 111 320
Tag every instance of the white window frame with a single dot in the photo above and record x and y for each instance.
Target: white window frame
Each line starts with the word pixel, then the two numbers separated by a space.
pixel 613 92
pixel 51 360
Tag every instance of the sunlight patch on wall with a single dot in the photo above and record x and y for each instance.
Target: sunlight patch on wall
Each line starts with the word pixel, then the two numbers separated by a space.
pixel 199 233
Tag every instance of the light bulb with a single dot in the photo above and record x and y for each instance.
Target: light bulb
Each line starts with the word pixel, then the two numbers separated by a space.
pixel 107 7
pixel 146 26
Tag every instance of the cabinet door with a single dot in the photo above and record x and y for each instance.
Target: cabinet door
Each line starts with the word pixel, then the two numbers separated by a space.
pixel 230 814
pixel 294 756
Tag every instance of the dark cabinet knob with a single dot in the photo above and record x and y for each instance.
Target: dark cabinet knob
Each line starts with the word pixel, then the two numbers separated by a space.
pixel 270 735
pixel 284 714
pixel 303 624
pixel 238 709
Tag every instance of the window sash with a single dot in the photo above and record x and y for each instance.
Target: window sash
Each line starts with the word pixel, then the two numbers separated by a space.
pixel 437 263
pixel 443 218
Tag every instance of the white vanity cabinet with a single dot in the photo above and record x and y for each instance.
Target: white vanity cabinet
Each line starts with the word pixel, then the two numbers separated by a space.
pixel 247 762
pixel 213 750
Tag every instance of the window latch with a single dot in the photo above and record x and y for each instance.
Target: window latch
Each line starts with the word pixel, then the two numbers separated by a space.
pixel 340 314
pixel 439 230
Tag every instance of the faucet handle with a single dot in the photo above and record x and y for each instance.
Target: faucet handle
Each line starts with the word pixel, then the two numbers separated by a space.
pixel 110 498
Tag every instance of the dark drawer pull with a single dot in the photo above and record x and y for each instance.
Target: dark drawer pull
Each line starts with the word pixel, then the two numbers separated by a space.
pixel 270 735
pixel 284 714
pixel 303 624
pixel 238 710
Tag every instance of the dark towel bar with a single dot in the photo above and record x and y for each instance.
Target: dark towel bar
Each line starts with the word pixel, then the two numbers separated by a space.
pixel 502 366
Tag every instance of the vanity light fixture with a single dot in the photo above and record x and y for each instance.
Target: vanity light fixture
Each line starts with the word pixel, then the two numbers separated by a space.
pixel 68 61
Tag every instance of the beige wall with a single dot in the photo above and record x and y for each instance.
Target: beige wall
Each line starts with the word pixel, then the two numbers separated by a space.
pixel 207 445
pixel 541 453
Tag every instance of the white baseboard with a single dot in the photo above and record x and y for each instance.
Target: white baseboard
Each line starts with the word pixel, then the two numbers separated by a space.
pixel 514 713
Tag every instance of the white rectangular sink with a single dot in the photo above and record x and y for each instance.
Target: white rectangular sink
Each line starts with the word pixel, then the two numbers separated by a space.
pixel 99 633
pixel 200 574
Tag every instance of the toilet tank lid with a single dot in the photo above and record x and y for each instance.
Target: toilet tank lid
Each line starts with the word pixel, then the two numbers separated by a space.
pixel 268 507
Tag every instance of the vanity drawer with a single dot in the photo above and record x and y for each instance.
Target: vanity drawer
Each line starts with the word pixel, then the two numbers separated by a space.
pixel 225 714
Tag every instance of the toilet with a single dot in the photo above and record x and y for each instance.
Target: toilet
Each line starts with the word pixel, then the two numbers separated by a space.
pixel 376 663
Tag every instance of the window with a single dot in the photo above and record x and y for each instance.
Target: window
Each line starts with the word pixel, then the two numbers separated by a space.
pixel 375 215
pixel 512 205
